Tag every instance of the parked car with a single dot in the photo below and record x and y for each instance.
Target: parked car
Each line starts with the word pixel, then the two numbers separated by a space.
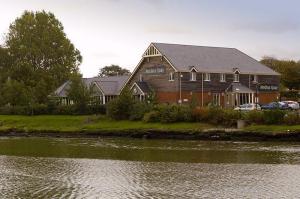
pixel 292 104
pixel 248 107
pixel 276 105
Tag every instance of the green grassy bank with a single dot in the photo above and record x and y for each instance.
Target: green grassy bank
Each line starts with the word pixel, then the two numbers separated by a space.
pixel 81 123
pixel 94 126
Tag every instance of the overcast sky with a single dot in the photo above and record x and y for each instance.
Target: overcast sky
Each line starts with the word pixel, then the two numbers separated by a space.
pixel 118 31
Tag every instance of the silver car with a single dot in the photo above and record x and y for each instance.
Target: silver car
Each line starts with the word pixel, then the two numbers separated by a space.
pixel 292 104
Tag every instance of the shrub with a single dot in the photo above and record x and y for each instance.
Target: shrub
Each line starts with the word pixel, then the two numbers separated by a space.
pixel 168 113
pixel 152 116
pixel 97 109
pixel 256 117
pixel 200 114
pixel 230 117
pixel 215 115
pixel 273 116
pixel 139 109
pixel 174 113
pixel 184 114
pixel 121 107
pixel 291 118
pixel 64 110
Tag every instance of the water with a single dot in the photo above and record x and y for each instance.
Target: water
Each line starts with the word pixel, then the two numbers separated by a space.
pixel 132 168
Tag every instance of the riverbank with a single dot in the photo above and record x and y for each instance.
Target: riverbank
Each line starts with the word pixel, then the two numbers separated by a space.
pixel 97 126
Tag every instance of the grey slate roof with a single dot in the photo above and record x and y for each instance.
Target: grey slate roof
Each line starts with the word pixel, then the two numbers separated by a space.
pixel 211 59
pixel 239 88
pixel 108 85
pixel 144 87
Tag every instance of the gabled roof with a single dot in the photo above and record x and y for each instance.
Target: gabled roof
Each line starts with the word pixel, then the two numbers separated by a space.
pixel 144 87
pixel 211 59
pixel 238 88
pixel 108 85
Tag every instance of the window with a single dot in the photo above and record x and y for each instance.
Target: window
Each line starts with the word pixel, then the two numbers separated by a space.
pixel 206 76
pixel 222 77
pixel 193 76
pixel 153 70
pixel 216 99
pixel 141 77
pixel 171 77
pixel 236 78
pixel 254 78
pixel 160 70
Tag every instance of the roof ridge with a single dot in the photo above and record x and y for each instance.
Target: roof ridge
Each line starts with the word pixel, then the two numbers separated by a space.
pixel 193 45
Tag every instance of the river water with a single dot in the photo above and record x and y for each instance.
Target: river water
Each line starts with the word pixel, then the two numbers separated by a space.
pixel 136 168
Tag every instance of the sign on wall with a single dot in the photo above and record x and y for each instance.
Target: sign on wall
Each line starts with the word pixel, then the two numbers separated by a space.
pixel 267 87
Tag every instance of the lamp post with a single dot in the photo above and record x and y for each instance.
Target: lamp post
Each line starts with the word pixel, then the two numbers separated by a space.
pixel 256 95
pixel 180 99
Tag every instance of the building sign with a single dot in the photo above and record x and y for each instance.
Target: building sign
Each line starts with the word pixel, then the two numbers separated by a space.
pixel 266 87
pixel 155 69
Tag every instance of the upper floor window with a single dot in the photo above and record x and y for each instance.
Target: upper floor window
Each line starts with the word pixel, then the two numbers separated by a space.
pixel 153 70
pixel 206 76
pixel 222 77
pixel 254 78
pixel 141 77
pixel 193 76
pixel 236 77
pixel 171 77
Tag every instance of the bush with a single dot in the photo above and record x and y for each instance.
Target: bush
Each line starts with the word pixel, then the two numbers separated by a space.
pixel 273 116
pixel 152 116
pixel 97 109
pixel 139 109
pixel 291 118
pixel 230 117
pixel 174 113
pixel 121 107
pixel 254 117
pixel 200 114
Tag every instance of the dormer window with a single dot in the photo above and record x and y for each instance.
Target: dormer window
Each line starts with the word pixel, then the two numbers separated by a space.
pixel 236 77
pixel 254 78
pixel 206 76
pixel 193 76
pixel 222 77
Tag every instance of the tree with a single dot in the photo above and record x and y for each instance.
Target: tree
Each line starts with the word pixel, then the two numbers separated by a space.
pixel 79 93
pixel 289 70
pixel 16 93
pixel 121 107
pixel 113 70
pixel 42 56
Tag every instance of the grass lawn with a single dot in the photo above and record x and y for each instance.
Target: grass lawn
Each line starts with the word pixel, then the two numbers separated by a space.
pixel 272 128
pixel 77 123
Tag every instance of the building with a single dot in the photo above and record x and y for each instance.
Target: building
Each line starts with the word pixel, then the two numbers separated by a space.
pixel 221 76
pixel 104 88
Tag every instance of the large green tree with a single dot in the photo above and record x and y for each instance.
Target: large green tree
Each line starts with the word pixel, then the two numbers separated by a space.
pixel 42 57
pixel 113 70
pixel 289 70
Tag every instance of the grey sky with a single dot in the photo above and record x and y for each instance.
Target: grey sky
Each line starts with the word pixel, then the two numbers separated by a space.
pixel 118 31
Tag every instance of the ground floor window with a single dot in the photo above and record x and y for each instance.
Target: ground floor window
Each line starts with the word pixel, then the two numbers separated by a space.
pixel 237 99
pixel 216 99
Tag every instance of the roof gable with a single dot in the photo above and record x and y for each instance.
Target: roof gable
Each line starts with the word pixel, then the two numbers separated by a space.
pixel 107 85
pixel 211 59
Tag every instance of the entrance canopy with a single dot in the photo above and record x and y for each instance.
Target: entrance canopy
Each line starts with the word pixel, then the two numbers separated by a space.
pixel 238 88
pixel 238 94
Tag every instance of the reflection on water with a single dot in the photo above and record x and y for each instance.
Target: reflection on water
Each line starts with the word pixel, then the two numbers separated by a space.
pixel 129 168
